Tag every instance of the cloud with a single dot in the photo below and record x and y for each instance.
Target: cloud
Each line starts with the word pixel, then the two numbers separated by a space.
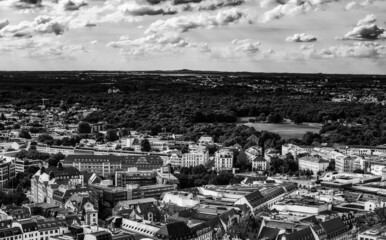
pixel 301 37
pixel 252 51
pixel 351 5
pixel 284 8
pixel 40 47
pixel 3 23
pixel 156 44
pixel 72 5
pixel 203 20
pixel 365 29
pixel 356 50
pixel 135 9
pixel 246 45
pixel 41 24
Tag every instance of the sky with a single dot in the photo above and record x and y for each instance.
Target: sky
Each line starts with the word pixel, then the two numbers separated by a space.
pixel 306 36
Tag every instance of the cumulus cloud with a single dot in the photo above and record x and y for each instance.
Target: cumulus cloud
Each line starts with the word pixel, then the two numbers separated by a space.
pixel 246 45
pixel 156 44
pixel 301 37
pixel 40 47
pixel 186 23
pixel 284 8
pixel 365 29
pixel 72 5
pixel 41 24
pixel 135 9
pixel 356 50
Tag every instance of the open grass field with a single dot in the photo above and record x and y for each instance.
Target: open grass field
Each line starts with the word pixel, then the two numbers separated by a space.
pixel 287 130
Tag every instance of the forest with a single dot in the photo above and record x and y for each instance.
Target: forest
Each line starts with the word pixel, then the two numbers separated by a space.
pixel 207 103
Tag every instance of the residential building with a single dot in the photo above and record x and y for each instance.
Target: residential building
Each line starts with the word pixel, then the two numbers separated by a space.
pixel 195 157
pixel 205 140
pixel 335 229
pixel 259 164
pixel 44 181
pixel 312 163
pixel 223 160
pixel 7 172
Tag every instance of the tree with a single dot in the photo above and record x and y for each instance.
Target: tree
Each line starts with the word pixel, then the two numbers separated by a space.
pixel 331 166
pixel 84 127
pixel 145 145
pixel 298 119
pixel 2 117
pixel 274 118
pixel 46 139
pixel 111 135
pixel 55 159
pixel 24 134
pixel 185 149
pixel 124 132
pixel 242 161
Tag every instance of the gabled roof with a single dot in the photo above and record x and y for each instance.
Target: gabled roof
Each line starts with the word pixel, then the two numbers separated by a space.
pixel 304 234
pixel 333 225
pixel 145 208
pixel 268 233
pixel 174 230
pixel 7 232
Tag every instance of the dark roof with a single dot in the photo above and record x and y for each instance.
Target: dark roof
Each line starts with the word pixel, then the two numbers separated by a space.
pixel 10 232
pixel 255 198
pixel 64 171
pixel 310 219
pixel 5 223
pixel 71 218
pixel 269 233
pixel 174 230
pixel 102 235
pixel 28 225
pixel 125 160
pixel 304 234
pixel 145 208
pixel 333 226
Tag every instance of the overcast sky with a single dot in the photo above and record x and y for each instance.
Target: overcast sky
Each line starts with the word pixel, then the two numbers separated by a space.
pixel 328 36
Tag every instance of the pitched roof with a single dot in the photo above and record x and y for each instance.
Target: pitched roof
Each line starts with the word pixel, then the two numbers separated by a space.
pixel 174 230
pixel 334 225
pixel 268 233
pixel 304 234
pixel 64 171
pixel 255 198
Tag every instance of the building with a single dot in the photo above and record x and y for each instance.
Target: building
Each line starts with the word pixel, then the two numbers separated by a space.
pixel 259 164
pixel 133 176
pixel 335 229
pixel 182 199
pixel 21 165
pixel 344 164
pixel 107 164
pixel 175 160
pixel 375 233
pixel 312 163
pixel 7 172
pixel 205 140
pixel 195 157
pixel 223 160
pixel 44 181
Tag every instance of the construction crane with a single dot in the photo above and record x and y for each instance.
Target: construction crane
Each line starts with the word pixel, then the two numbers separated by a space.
pixel 43 100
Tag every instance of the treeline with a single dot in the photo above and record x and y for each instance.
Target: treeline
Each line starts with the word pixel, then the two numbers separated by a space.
pixel 199 176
